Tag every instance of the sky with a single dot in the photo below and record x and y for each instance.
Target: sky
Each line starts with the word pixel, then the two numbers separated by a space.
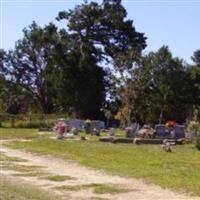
pixel 175 23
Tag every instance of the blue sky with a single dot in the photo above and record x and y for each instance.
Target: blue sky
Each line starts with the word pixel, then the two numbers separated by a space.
pixel 164 22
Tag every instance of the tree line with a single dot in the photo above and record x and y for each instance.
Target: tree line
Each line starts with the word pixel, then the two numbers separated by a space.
pixel 94 67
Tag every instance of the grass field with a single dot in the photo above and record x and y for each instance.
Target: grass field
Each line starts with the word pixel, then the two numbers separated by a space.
pixel 13 133
pixel 179 170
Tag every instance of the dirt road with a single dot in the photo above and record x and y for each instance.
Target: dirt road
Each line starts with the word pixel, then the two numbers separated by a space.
pixel 80 176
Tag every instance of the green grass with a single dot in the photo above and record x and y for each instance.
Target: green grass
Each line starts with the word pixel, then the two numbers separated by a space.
pixel 97 188
pixel 12 133
pixel 178 170
pixel 11 190
pixel 58 178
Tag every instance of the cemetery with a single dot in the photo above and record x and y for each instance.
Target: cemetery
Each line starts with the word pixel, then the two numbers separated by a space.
pixel 99 100
pixel 161 134
pixel 121 155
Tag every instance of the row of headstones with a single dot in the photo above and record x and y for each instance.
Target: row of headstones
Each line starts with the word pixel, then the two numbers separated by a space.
pixel 80 124
pixel 176 132
pixel 160 131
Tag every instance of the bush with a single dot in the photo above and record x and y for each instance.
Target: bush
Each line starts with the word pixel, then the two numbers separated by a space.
pixel 34 124
pixel 28 121
pixel 194 127
pixel 26 124
pixel 198 142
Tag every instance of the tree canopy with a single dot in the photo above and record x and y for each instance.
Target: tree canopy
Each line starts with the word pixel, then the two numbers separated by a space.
pixel 161 88
pixel 113 37
pixel 64 69
pixel 95 64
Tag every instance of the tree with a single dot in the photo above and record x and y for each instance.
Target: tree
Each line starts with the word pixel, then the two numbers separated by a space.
pixel 82 85
pixel 51 65
pixel 4 85
pixel 158 88
pixel 31 65
pixel 193 88
pixel 110 33
pixel 2 94
pixel 114 39
pixel 46 65
pixel 11 94
pixel 196 57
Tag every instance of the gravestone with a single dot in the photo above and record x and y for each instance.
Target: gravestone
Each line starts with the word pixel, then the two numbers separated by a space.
pixel 129 132
pixel 74 131
pixel 96 132
pixel 132 130
pixel 179 131
pixel 160 131
pixel 88 126
pixel 111 132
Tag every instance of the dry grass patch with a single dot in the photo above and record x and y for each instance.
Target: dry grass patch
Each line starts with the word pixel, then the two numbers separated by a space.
pixel 10 189
pixel 19 168
pixel 3 158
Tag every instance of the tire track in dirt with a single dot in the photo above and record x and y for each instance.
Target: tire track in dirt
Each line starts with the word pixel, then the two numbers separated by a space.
pixel 137 189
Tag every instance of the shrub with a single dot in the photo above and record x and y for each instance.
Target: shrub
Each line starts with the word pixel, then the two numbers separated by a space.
pixel 198 142
pixel 194 128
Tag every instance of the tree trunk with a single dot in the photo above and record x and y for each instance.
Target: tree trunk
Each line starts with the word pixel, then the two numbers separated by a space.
pixel 12 121
pixel 161 116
